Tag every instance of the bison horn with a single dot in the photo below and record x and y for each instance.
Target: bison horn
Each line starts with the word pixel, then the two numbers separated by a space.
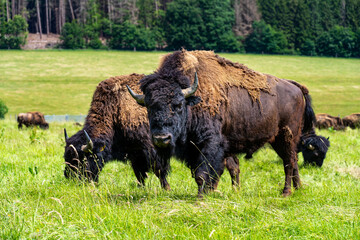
pixel 140 99
pixel 311 147
pixel 76 153
pixel 89 144
pixel 191 90
pixel 66 136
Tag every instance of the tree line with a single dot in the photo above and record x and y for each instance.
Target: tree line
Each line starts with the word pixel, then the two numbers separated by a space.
pixel 306 27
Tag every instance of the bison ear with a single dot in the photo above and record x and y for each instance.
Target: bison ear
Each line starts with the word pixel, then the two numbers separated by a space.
pixel 193 100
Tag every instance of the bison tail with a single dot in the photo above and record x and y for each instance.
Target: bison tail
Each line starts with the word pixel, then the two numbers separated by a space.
pixel 309 115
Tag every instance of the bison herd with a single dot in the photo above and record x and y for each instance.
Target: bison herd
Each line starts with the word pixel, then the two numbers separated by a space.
pixel 204 110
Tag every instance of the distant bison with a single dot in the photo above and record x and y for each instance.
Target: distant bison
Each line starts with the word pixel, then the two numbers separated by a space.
pixel 352 121
pixel 115 128
pixel 229 109
pixel 313 148
pixel 32 119
pixel 325 121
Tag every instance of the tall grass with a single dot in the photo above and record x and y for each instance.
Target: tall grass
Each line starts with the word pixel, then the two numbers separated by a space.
pixel 62 82
pixel 37 202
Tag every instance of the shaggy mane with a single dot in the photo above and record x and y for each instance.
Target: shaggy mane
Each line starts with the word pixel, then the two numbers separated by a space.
pixel 111 98
pixel 216 75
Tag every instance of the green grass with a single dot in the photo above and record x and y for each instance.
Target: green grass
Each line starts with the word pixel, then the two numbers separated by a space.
pixel 37 202
pixel 42 204
pixel 62 82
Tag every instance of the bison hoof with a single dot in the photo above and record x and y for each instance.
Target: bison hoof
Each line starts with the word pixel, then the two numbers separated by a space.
pixel 286 192
pixel 167 187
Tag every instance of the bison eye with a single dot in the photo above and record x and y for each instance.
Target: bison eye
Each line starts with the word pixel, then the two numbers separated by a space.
pixel 178 106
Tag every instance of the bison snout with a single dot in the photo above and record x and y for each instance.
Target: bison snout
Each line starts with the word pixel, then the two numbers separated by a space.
pixel 162 141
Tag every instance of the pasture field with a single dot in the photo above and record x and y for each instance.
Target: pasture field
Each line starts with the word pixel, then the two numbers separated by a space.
pixel 62 82
pixel 37 202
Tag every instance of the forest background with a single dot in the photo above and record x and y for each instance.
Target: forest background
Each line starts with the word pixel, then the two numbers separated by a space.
pixel 301 27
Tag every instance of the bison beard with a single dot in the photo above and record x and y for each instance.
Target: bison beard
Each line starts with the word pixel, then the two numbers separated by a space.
pixel 240 111
pixel 117 129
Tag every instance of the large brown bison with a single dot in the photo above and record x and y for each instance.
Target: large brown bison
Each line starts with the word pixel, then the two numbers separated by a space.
pixel 352 121
pixel 115 128
pixel 32 119
pixel 326 121
pixel 229 109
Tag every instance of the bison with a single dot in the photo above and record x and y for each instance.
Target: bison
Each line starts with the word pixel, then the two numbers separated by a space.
pixel 114 129
pixel 326 121
pixel 352 121
pixel 32 119
pixel 229 109
pixel 313 148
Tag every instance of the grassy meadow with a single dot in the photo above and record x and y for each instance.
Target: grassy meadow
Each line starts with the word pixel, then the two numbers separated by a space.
pixel 62 82
pixel 37 202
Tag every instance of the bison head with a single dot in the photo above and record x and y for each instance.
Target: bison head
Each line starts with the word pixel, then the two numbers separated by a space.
pixel 44 125
pixel 314 149
pixel 167 105
pixel 82 158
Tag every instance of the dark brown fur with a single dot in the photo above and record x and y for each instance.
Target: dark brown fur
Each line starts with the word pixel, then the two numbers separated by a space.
pixel 352 121
pixel 326 121
pixel 240 111
pixel 119 130
pixel 32 119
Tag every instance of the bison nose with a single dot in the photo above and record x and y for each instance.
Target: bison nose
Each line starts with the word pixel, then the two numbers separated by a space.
pixel 162 140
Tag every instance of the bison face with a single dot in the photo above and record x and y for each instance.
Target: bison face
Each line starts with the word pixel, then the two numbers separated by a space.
pixel 314 150
pixel 167 105
pixel 167 116
pixel 82 159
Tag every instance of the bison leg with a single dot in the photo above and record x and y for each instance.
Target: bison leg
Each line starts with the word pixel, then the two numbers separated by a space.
pixel 286 149
pixel 161 174
pixel 140 176
pixel 232 164
pixel 20 125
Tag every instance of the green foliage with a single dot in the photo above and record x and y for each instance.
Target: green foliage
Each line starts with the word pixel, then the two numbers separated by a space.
pixel 357 43
pixel 303 21
pixel 13 33
pixel 338 42
pixel 91 34
pixel 3 109
pixel 184 25
pixel 201 25
pixel 72 36
pixel 308 48
pixel 131 37
pixel 265 39
pixel 33 171
pixel 218 18
pixel 150 13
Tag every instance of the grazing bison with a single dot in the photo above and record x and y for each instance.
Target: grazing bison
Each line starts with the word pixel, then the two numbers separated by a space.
pixel 325 121
pixel 229 109
pixel 32 119
pixel 313 148
pixel 115 128
pixel 352 121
